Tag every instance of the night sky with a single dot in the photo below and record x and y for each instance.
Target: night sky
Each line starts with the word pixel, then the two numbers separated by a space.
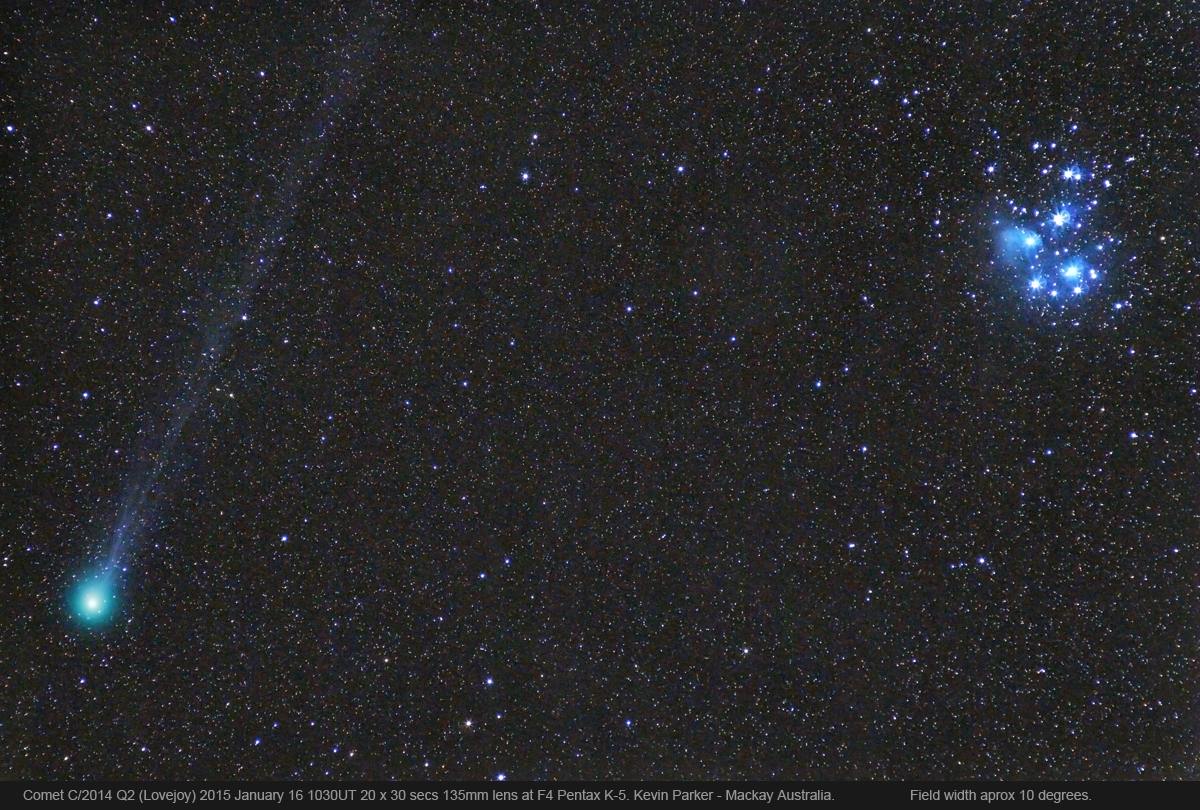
pixel 711 390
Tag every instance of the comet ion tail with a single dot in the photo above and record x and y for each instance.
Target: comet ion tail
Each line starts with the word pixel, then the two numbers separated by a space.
pixel 261 241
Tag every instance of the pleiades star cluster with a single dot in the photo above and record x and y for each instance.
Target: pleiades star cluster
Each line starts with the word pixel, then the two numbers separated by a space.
pixel 1060 247
pixel 528 391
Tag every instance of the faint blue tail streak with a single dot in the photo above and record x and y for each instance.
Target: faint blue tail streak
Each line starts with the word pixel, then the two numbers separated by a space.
pixel 94 596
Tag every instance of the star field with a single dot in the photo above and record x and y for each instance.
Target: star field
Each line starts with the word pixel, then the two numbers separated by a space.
pixel 727 390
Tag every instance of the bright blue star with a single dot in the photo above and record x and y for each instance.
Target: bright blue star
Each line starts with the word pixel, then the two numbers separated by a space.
pixel 1060 218
pixel 1018 244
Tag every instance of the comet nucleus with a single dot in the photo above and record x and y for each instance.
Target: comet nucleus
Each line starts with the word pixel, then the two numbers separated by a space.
pixel 93 600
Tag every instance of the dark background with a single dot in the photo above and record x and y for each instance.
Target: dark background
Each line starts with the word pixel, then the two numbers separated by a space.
pixel 592 462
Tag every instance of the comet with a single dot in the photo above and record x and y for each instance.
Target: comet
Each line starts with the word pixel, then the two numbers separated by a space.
pixel 93 596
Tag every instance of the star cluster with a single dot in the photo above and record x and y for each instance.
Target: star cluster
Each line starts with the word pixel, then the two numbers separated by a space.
pixel 1052 232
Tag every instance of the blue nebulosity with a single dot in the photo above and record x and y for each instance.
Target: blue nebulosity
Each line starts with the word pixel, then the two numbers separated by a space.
pixel 1018 244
